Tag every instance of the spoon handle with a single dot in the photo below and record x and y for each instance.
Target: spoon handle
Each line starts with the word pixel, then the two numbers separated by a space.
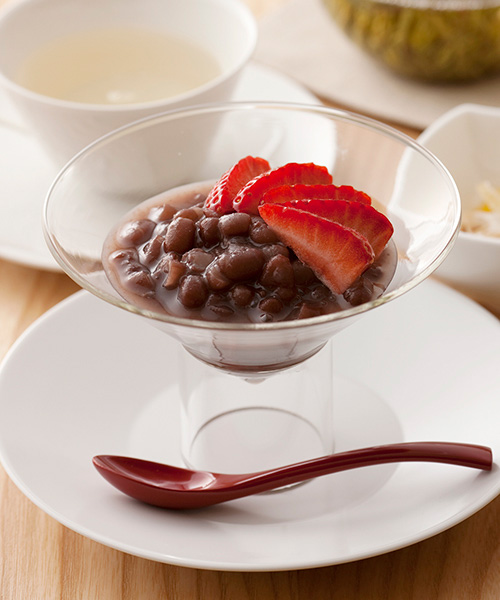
pixel 466 455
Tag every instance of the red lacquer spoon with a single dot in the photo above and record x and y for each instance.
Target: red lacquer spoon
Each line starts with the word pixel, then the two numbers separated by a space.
pixel 174 487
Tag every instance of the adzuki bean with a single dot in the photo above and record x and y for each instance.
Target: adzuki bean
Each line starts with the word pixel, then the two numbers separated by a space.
pixel 232 268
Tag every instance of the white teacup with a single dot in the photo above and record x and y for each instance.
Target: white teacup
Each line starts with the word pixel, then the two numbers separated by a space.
pixel 224 31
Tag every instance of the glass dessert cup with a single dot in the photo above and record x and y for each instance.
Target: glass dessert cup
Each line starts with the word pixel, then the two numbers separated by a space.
pixel 254 395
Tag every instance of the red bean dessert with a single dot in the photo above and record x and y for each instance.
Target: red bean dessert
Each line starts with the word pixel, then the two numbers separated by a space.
pixel 260 245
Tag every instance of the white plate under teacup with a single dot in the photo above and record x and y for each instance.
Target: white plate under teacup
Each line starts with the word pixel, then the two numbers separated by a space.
pixel 88 379
pixel 26 172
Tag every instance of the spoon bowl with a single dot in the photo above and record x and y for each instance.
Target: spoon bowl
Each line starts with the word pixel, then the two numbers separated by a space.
pixel 168 486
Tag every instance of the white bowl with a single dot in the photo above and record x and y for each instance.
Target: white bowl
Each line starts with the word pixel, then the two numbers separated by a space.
pixel 467 140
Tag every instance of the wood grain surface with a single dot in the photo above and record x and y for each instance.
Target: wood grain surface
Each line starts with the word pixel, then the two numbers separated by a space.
pixel 42 560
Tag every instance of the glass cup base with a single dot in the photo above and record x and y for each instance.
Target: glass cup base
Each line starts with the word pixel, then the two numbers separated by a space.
pixel 253 439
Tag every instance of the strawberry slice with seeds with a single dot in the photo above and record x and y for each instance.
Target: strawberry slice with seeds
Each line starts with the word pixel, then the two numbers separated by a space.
pixel 362 218
pixel 337 255
pixel 220 199
pixel 299 191
pixel 250 196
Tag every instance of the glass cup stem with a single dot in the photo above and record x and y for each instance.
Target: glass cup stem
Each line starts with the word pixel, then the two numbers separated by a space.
pixel 236 424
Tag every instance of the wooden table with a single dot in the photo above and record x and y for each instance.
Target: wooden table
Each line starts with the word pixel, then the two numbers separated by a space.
pixel 43 560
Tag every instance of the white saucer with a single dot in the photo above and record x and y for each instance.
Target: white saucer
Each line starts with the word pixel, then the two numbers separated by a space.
pixel 26 173
pixel 86 379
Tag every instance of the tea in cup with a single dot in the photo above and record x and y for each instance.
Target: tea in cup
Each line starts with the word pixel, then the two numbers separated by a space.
pixel 76 70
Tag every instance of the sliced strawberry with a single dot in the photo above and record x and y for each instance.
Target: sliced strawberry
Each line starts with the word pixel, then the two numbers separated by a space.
pixel 220 199
pixel 362 218
pixel 336 254
pixel 299 191
pixel 250 196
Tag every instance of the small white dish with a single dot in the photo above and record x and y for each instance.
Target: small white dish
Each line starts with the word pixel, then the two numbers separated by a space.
pixel 467 140
pixel 26 172
pixel 430 372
